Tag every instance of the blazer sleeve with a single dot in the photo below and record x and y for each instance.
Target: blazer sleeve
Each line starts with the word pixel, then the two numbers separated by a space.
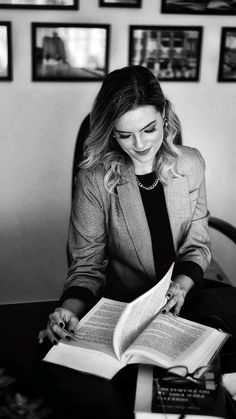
pixel 194 248
pixel 87 239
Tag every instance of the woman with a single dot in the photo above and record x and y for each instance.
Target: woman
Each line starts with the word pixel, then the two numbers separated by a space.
pixel 139 205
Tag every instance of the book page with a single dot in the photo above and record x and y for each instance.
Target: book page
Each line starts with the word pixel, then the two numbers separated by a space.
pixel 169 335
pixel 91 350
pixel 169 341
pixel 139 313
pixel 97 326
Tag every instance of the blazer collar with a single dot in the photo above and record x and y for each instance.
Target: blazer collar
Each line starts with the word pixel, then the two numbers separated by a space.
pixel 178 208
pixel 135 218
pixel 177 202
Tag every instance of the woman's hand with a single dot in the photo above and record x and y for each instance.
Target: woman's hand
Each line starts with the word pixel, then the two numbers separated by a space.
pixel 63 322
pixel 176 294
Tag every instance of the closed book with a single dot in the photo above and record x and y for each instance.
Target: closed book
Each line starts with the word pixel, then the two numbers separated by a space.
pixel 160 398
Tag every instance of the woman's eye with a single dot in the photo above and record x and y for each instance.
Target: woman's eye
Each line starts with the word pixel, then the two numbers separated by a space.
pixel 148 131
pixel 124 137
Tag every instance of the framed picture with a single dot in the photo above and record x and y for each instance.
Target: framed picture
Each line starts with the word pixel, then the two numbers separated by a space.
pixel 39 4
pixel 120 3
pixel 213 7
pixel 172 53
pixel 227 64
pixel 5 51
pixel 69 52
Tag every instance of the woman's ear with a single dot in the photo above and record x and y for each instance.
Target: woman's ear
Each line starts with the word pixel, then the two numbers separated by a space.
pixel 165 124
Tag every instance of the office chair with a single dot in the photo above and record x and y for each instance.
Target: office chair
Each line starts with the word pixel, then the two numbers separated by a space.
pixel 214 271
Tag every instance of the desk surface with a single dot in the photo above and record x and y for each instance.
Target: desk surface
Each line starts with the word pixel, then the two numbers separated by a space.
pixel 61 393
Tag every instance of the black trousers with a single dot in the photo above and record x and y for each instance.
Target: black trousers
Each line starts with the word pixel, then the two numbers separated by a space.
pixel 215 305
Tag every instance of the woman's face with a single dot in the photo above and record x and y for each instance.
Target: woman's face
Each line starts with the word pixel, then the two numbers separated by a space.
pixel 139 133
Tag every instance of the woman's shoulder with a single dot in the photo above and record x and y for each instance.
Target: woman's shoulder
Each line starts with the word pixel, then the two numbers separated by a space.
pixel 97 173
pixel 91 181
pixel 189 160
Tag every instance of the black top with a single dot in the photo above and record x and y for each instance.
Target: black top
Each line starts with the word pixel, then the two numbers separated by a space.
pixel 162 241
pixel 159 225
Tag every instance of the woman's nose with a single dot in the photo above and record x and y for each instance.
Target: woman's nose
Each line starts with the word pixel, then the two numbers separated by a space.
pixel 138 142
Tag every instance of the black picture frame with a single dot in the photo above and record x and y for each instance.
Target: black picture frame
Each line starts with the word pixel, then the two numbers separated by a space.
pixel 40 4
pixel 226 7
pixel 5 51
pixel 120 3
pixel 172 53
pixel 227 61
pixel 69 51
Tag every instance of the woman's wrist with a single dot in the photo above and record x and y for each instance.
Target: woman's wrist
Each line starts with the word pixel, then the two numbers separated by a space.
pixel 184 282
pixel 75 305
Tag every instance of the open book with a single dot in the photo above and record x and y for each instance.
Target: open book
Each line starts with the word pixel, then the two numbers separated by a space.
pixel 113 334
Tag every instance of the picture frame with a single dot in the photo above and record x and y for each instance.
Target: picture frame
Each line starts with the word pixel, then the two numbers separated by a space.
pixel 172 53
pixel 69 51
pixel 225 7
pixel 5 51
pixel 227 61
pixel 40 4
pixel 120 3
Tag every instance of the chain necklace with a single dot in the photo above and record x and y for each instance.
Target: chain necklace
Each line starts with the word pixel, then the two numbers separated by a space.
pixel 148 188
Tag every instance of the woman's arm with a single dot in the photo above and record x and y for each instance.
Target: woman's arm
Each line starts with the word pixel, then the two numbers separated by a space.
pixel 87 239
pixel 87 247
pixel 193 255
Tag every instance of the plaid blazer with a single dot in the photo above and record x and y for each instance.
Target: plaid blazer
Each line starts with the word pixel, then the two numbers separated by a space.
pixel 109 239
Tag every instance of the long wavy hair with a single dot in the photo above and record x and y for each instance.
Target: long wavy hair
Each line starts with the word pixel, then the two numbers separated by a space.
pixel 123 90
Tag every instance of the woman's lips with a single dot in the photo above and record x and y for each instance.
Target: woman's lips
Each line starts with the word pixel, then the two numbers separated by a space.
pixel 143 152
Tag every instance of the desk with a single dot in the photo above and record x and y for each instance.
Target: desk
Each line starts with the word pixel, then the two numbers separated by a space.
pixel 69 394
pixel 65 393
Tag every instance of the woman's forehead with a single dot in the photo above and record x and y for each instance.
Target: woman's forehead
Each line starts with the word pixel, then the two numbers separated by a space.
pixel 138 118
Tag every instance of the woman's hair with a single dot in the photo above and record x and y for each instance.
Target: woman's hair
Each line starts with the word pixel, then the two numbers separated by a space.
pixel 123 90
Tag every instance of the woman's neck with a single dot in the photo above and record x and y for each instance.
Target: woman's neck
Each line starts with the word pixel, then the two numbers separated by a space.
pixel 143 170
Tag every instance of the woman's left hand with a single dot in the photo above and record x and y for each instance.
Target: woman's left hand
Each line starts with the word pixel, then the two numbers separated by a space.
pixel 176 294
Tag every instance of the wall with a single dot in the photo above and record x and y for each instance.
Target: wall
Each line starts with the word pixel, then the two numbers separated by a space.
pixel 39 122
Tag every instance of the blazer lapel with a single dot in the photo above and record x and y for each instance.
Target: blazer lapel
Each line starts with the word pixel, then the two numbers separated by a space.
pixel 177 202
pixel 136 221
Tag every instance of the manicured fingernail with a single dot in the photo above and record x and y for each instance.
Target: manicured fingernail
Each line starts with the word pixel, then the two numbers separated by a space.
pixel 163 311
pixel 54 342
pixel 68 337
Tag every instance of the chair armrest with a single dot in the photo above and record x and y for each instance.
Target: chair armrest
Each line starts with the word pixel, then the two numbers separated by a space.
pixel 223 227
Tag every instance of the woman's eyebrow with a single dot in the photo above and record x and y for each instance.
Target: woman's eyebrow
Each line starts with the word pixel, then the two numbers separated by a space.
pixel 129 132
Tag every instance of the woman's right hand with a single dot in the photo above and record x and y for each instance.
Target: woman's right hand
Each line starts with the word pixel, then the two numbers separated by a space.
pixel 63 322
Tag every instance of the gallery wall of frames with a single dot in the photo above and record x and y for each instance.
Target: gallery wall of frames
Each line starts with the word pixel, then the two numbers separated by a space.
pixel 64 51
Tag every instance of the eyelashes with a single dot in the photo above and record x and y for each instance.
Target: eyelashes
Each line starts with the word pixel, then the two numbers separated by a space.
pixel 153 129
pixel 147 131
